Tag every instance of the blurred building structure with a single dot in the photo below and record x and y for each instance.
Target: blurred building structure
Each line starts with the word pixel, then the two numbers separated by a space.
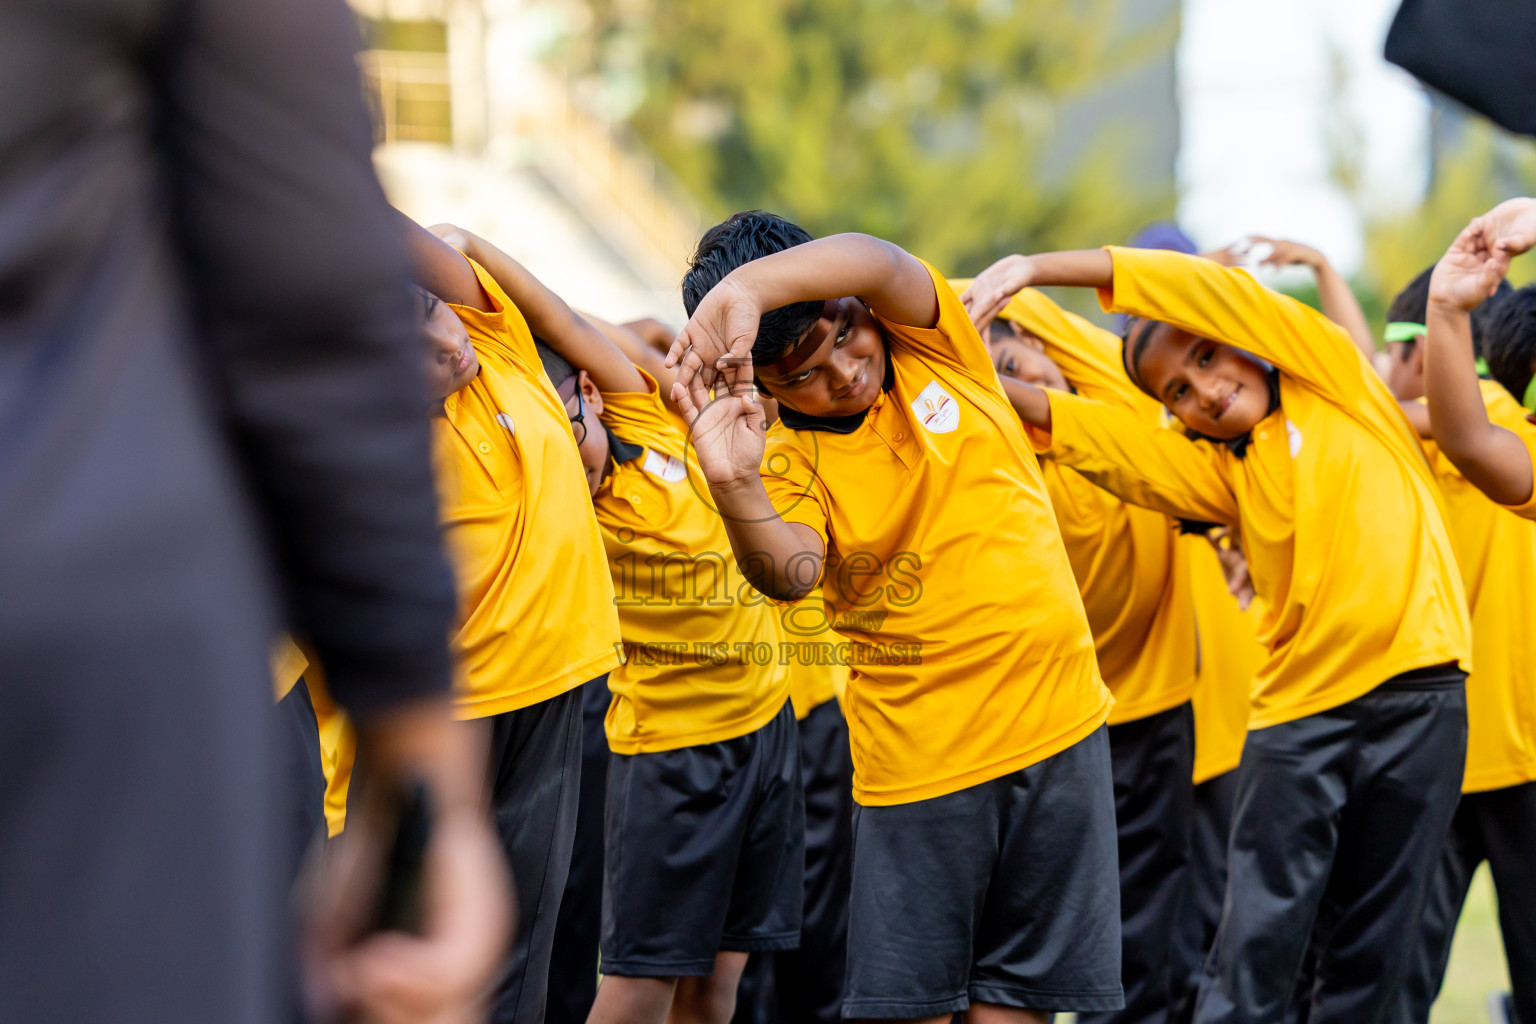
pixel 474 129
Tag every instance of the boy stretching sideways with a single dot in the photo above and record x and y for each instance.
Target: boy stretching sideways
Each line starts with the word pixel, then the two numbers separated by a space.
pixel 1136 590
pixel 536 617
pixel 704 825
pixel 1357 738
pixel 1497 459
pixel 984 874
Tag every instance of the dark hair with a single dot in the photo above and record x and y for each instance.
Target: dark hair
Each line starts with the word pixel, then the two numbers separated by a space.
pixel 1509 339
pixel 1412 306
pixel 742 238
pixel 555 365
pixel 1131 352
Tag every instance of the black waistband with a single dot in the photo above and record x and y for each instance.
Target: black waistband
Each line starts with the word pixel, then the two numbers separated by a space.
pixel 1435 677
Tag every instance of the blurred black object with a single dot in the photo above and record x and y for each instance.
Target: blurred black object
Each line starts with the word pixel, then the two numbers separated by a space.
pixel 400 903
pixel 1479 52
pixel 212 423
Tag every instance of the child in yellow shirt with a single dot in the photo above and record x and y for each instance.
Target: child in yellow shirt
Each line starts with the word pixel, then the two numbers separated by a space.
pixel 1135 588
pixel 899 479
pixel 1498 459
pixel 704 823
pixel 536 616
pixel 1496 549
pixel 1352 765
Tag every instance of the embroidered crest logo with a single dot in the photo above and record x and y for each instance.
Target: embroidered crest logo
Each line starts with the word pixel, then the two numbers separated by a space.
pixel 664 466
pixel 506 421
pixel 936 409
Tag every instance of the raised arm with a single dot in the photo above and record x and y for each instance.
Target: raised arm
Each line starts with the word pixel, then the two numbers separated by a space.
pixel 1492 458
pixel 1088 355
pixel 639 351
pixel 440 269
pixel 781 559
pixel 1333 292
pixel 885 277
pixel 1120 451
pixel 549 318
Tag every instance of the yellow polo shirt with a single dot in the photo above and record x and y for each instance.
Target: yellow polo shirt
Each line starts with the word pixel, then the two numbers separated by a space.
pixel 338 742
pixel 1230 658
pixel 536 612
pixel 338 751
pixel 1135 587
pixel 1339 515
pixel 1497 554
pixel 970 652
pixel 817 671
pixel 1525 430
pixel 288 665
pixel 702 656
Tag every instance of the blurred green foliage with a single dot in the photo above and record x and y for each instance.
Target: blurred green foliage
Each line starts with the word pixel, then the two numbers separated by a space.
pixel 934 123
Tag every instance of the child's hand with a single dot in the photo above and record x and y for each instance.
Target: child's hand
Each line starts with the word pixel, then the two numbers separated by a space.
pixel 1470 270
pixel 994 287
pixel 724 324
pixel 728 429
pixel 1288 254
pixel 1510 226
pixel 452 234
pixel 1233 566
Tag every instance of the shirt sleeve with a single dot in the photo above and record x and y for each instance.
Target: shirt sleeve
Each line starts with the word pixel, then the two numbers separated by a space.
pixel 640 418
pixel 1088 355
pixel 1227 305
pixel 1138 462
pixel 501 328
pixel 300 285
pixel 952 341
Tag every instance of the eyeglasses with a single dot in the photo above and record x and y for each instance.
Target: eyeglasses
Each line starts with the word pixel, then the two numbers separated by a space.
pixel 579 421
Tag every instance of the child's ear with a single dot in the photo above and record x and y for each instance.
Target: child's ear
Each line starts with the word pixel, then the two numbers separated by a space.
pixel 590 395
pixel 1418 358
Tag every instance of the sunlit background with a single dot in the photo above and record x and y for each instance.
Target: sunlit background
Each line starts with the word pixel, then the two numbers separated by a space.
pixel 593 139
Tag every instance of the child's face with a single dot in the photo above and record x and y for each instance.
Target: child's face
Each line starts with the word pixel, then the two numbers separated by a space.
pixel 1215 389
pixel 1018 354
pixel 450 358
pixel 845 367
pixel 1405 370
pixel 583 400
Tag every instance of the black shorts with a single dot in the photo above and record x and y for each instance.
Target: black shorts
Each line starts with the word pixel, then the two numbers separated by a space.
pixel 705 853
pixel 535 776
pixel 1006 893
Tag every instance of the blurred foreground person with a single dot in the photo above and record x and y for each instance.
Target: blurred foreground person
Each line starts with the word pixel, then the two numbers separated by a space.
pixel 210 410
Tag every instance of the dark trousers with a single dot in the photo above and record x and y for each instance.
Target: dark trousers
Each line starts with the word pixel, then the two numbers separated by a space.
pixel 303 775
pixel 1499 826
pixel 805 985
pixel 1204 889
pixel 535 778
pixel 1341 818
pixel 1152 759
pixel 573 962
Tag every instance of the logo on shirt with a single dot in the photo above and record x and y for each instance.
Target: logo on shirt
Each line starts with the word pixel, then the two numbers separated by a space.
pixel 506 421
pixel 936 409
pixel 664 466
pixel 1295 437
